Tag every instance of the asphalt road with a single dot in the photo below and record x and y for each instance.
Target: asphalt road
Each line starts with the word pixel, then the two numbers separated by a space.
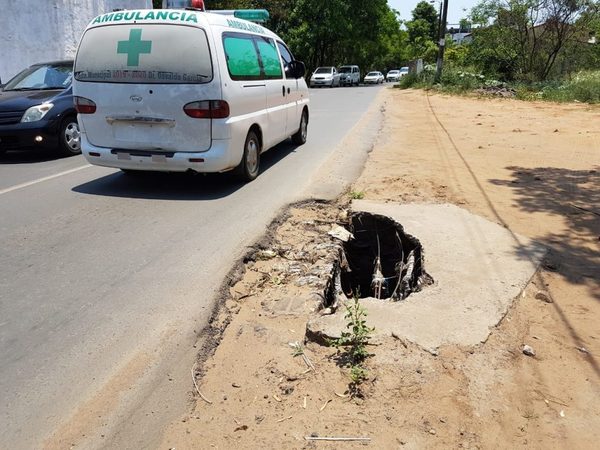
pixel 108 281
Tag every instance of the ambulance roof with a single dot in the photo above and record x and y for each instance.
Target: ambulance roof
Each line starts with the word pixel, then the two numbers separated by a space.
pixel 179 17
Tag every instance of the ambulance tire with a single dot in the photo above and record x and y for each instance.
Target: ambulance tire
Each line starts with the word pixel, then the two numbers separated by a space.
pixel 250 165
pixel 69 137
pixel 299 138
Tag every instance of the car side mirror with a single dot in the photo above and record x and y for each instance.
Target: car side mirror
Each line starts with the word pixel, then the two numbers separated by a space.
pixel 297 69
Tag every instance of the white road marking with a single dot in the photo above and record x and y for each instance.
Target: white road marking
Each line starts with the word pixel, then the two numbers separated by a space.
pixel 41 180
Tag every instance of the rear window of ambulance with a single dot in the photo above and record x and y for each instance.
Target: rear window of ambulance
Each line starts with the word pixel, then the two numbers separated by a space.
pixel 148 53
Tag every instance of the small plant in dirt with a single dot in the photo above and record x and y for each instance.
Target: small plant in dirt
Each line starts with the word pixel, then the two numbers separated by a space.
pixel 357 195
pixel 297 349
pixel 275 280
pixel 354 344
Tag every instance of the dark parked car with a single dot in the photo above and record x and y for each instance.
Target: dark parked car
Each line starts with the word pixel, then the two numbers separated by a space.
pixel 36 110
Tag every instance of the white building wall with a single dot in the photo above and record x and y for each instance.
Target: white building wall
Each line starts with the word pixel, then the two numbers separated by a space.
pixel 33 31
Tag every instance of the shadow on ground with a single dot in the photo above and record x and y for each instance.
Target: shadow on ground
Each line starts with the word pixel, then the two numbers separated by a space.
pixel 178 186
pixel 574 195
pixel 29 156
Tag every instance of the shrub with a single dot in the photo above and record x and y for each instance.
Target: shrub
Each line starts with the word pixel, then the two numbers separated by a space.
pixel 584 87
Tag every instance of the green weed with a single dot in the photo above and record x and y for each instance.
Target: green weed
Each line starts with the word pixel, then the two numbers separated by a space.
pixel 354 343
pixel 357 195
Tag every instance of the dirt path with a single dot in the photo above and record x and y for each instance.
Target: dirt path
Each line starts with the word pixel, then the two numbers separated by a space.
pixel 533 168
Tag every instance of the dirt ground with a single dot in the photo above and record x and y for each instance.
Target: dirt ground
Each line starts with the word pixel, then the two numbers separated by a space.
pixel 533 168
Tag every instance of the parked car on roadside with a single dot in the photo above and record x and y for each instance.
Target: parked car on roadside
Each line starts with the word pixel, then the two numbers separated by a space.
pixel 37 111
pixel 349 75
pixel 325 76
pixel 374 78
pixel 403 71
pixel 392 76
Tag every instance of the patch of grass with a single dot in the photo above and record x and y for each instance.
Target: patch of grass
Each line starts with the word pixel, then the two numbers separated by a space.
pixel 357 195
pixel 411 80
pixel 462 81
pixel 583 87
pixel 453 80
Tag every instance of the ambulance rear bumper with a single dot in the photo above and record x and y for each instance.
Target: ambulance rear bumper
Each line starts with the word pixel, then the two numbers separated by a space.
pixel 219 158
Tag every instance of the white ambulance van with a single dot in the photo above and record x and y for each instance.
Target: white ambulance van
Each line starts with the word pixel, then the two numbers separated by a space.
pixel 186 90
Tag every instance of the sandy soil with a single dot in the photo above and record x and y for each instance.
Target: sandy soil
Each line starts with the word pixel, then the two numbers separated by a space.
pixel 531 167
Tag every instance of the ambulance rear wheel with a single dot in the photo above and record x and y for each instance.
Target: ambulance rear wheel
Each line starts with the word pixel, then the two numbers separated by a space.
pixel 250 165
pixel 300 137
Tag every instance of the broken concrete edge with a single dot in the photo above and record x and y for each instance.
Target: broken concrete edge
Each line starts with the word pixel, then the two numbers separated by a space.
pixel 315 335
pixel 210 337
pixel 435 351
pixel 514 302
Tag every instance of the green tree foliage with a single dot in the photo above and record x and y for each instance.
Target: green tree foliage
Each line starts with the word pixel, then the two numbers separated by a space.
pixel 530 39
pixel 333 32
pixel 420 44
pixel 336 32
pixel 426 12
pixel 422 32
pixel 456 56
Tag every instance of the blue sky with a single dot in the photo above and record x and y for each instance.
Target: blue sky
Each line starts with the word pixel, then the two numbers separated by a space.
pixel 455 8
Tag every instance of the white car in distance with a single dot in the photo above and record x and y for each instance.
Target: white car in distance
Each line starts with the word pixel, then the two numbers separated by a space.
pixel 325 76
pixel 374 78
pixel 392 76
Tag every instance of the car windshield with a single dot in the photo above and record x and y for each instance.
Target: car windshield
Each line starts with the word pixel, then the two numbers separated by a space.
pixel 42 77
pixel 372 74
pixel 393 72
pixel 404 70
pixel 345 69
pixel 323 70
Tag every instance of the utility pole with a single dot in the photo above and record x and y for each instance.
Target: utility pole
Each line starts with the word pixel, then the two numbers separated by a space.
pixel 441 43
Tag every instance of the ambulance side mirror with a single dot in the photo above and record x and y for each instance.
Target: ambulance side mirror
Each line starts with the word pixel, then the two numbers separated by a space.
pixel 297 69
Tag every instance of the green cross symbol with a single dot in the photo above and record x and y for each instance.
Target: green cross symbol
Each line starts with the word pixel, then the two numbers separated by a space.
pixel 134 47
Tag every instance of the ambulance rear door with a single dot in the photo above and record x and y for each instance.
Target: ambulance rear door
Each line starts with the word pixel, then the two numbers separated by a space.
pixel 154 86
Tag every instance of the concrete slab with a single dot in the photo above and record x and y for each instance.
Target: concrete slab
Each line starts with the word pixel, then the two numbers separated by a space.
pixel 479 268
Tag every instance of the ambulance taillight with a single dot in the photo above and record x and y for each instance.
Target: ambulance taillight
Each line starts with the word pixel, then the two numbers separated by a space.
pixel 84 105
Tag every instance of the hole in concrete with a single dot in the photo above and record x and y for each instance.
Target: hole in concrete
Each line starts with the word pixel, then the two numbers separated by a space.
pixel 382 261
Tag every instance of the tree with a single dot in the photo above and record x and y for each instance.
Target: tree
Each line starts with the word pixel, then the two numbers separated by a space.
pixel 420 43
pixel 336 32
pixel 422 32
pixel 426 12
pixel 525 38
pixel 333 32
